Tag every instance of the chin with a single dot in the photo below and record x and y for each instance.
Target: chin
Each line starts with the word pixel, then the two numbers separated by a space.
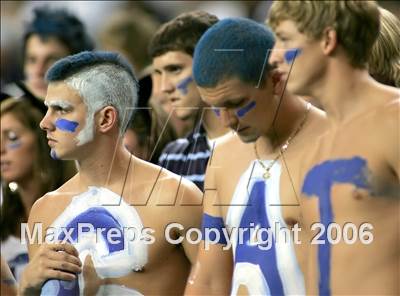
pixel 248 138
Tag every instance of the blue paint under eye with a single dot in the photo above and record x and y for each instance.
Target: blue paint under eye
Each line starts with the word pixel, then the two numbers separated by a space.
pixel 66 125
pixel 216 111
pixel 291 54
pixel 183 85
pixel 14 145
pixel 243 111
pixel 53 155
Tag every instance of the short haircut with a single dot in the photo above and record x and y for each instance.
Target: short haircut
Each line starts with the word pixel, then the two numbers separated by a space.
pixel 384 61
pixel 181 33
pixel 101 79
pixel 356 23
pixel 232 48
pixel 59 23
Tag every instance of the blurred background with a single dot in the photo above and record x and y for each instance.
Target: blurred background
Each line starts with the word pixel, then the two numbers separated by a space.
pixel 100 17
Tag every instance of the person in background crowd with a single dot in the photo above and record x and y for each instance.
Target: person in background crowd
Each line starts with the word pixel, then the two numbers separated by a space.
pixel 27 172
pixel 51 35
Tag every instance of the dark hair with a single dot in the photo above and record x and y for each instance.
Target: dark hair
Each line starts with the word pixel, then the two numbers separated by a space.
pixel 60 24
pixel 48 173
pixel 232 48
pixel 182 33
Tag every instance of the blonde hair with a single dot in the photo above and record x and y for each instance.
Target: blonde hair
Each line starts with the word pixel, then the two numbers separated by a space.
pixel 356 23
pixel 384 61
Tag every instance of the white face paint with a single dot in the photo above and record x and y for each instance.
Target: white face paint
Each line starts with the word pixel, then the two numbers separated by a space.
pixel 62 104
pixel 100 86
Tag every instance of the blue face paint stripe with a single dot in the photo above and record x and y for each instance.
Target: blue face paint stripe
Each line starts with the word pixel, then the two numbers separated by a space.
pixel 183 85
pixel 243 111
pixel 216 111
pixel 291 54
pixel 66 125
pixel 14 145
pixel 319 182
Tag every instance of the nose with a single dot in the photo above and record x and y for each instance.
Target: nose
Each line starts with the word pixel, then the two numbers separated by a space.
pixel 46 122
pixel 276 56
pixel 228 119
pixel 40 68
pixel 166 86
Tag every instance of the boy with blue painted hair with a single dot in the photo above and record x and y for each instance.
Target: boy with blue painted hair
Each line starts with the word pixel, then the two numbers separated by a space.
pixel 98 235
pixel 252 180
pixel 172 49
pixel 350 192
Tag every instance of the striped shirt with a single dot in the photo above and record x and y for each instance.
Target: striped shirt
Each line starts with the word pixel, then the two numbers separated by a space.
pixel 188 157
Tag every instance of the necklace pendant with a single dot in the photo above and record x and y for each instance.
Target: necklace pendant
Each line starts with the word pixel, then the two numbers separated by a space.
pixel 266 175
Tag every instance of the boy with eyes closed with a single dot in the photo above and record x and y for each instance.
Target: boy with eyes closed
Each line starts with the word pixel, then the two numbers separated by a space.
pixel 252 179
pixel 172 49
pixel 103 231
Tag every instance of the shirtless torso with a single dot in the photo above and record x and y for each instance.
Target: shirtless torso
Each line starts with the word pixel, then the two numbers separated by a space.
pixel 162 267
pixel 246 200
pixel 351 195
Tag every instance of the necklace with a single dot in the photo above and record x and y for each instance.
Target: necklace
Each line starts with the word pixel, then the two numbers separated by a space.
pixel 267 173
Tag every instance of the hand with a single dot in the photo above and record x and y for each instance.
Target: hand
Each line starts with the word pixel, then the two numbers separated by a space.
pixel 51 261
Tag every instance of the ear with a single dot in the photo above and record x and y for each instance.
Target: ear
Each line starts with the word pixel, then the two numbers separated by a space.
pixel 329 40
pixel 277 82
pixel 107 118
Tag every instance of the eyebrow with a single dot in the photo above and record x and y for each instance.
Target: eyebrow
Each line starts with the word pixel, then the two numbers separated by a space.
pixel 58 103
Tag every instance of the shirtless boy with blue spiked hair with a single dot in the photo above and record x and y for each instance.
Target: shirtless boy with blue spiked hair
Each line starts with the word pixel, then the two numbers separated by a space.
pixel 105 230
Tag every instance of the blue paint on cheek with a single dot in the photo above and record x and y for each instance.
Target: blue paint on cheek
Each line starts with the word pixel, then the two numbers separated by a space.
pixel 291 54
pixel 183 85
pixel 216 111
pixel 319 182
pixel 243 111
pixel 66 125
pixel 14 145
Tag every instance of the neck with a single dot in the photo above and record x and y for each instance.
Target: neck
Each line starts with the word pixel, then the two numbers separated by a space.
pixel 342 90
pixel 105 166
pixel 290 116
pixel 212 124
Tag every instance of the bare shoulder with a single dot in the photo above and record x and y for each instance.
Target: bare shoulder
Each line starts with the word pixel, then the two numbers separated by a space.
pixel 165 186
pixel 387 115
pixel 53 202
pixel 227 148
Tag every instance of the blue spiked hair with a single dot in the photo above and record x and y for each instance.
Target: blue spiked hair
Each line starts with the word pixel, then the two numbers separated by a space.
pixel 69 65
pixel 232 48
pixel 101 78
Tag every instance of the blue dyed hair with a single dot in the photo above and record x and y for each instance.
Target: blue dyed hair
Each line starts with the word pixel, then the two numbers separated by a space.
pixel 101 79
pixel 62 25
pixel 232 48
pixel 69 65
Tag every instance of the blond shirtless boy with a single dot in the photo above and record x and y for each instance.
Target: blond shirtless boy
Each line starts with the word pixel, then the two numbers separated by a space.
pixel 350 194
